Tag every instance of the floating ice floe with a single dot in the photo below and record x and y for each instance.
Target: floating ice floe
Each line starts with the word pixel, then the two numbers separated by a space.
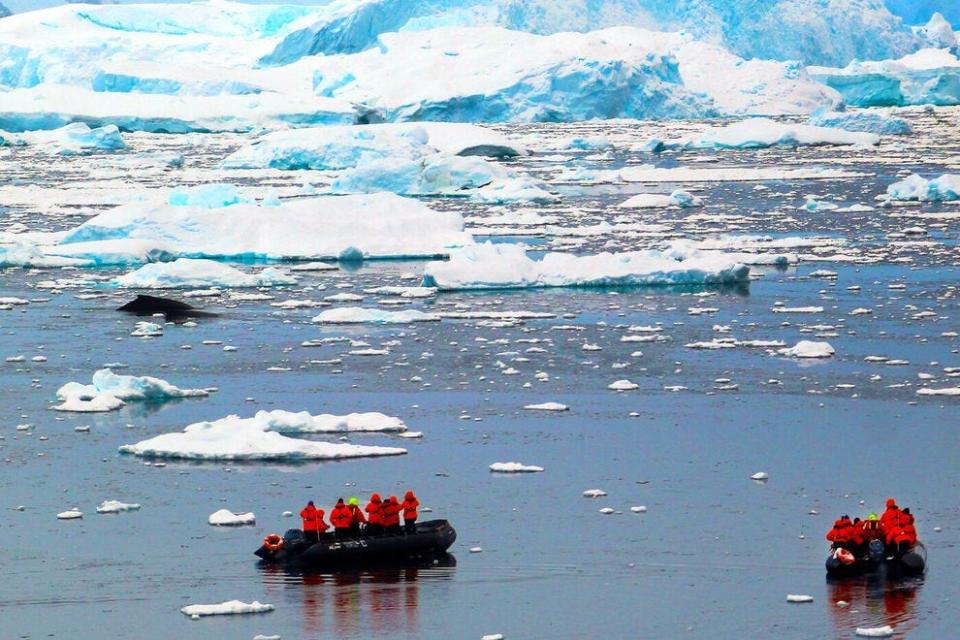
pixel 760 475
pixel 679 198
pixel 73 139
pixel 362 315
pixel 915 187
pixel 115 506
pixel 943 391
pixel 875 632
pixel 928 76
pixel 757 133
pixel 235 438
pixel 514 467
pixel 502 266
pixel 547 406
pixel 808 349
pixel 623 385
pixel 190 272
pixel 70 514
pixel 227 518
pixel 302 422
pixel 111 391
pixel 594 493
pixel 380 225
pixel 232 607
pixel 879 121
pixel 793 597
pixel 344 147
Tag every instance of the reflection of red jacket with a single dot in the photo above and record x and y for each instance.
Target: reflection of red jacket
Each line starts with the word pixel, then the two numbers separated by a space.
pixel 340 517
pixel 313 519
pixel 391 512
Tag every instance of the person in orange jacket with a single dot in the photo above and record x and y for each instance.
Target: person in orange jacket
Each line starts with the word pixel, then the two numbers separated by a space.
pixel 888 521
pixel 905 535
pixel 374 511
pixel 313 524
pixel 409 507
pixel 356 516
pixel 391 515
pixel 341 519
pixel 841 535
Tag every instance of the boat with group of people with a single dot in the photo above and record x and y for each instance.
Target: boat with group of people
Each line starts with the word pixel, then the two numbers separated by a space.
pixel 360 537
pixel 887 542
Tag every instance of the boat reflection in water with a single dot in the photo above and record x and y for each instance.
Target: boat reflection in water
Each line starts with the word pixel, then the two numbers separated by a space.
pixel 874 601
pixel 371 603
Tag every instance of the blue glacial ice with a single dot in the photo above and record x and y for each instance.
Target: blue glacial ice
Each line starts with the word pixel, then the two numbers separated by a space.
pixel 72 139
pixel 504 266
pixel 381 225
pixel 815 31
pixel 206 196
pixel 757 133
pixel 915 187
pixel 879 121
pixel 929 76
pixel 111 391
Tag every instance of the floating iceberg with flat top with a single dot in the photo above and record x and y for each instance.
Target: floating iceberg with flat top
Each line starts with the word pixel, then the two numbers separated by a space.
pixel 501 266
pixel 111 391
pixel 189 272
pixel 236 438
pixel 380 225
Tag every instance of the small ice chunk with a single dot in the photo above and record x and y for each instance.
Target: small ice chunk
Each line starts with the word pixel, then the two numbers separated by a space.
pixel 547 406
pixel 514 467
pixel 115 506
pixel 638 509
pixel 70 514
pixel 875 632
pixel 607 510
pixel 231 607
pixel 227 518
pixel 594 493
pixel 623 385
pixel 808 349
pixel 793 597
pixel 760 475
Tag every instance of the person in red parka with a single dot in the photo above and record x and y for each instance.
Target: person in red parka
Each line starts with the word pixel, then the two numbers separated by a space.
pixel 356 516
pixel 842 533
pixel 341 519
pixel 888 521
pixel 374 511
pixel 409 507
pixel 905 535
pixel 391 515
pixel 313 524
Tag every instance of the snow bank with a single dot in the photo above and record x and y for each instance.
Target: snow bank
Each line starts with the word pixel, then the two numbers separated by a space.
pixel 381 225
pixel 915 187
pixel 809 349
pixel 514 467
pixel 231 607
pixel 343 147
pixel 929 76
pixel 73 139
pixel 303 422
pixel 188 272
pixel 227 518
pixel 111 391
pixel 761 132
pixel 361 315
pixel 872 121
pixel 501 266
pixel 235 438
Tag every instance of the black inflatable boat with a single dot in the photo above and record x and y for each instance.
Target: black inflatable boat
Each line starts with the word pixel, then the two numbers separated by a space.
pixel 911 562
pixel 430 540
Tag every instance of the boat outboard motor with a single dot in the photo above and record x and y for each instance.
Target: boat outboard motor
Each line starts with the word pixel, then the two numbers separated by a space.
pixel 875 550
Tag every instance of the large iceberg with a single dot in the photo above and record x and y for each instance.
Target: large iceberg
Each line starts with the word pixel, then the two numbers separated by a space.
pixel 929 76
pixel 501 266
pixel 77 138
pixel 496 75
pixel 111 391
pixel 236 438
pixel 187 272
pixel 817 31
pixel 380 225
